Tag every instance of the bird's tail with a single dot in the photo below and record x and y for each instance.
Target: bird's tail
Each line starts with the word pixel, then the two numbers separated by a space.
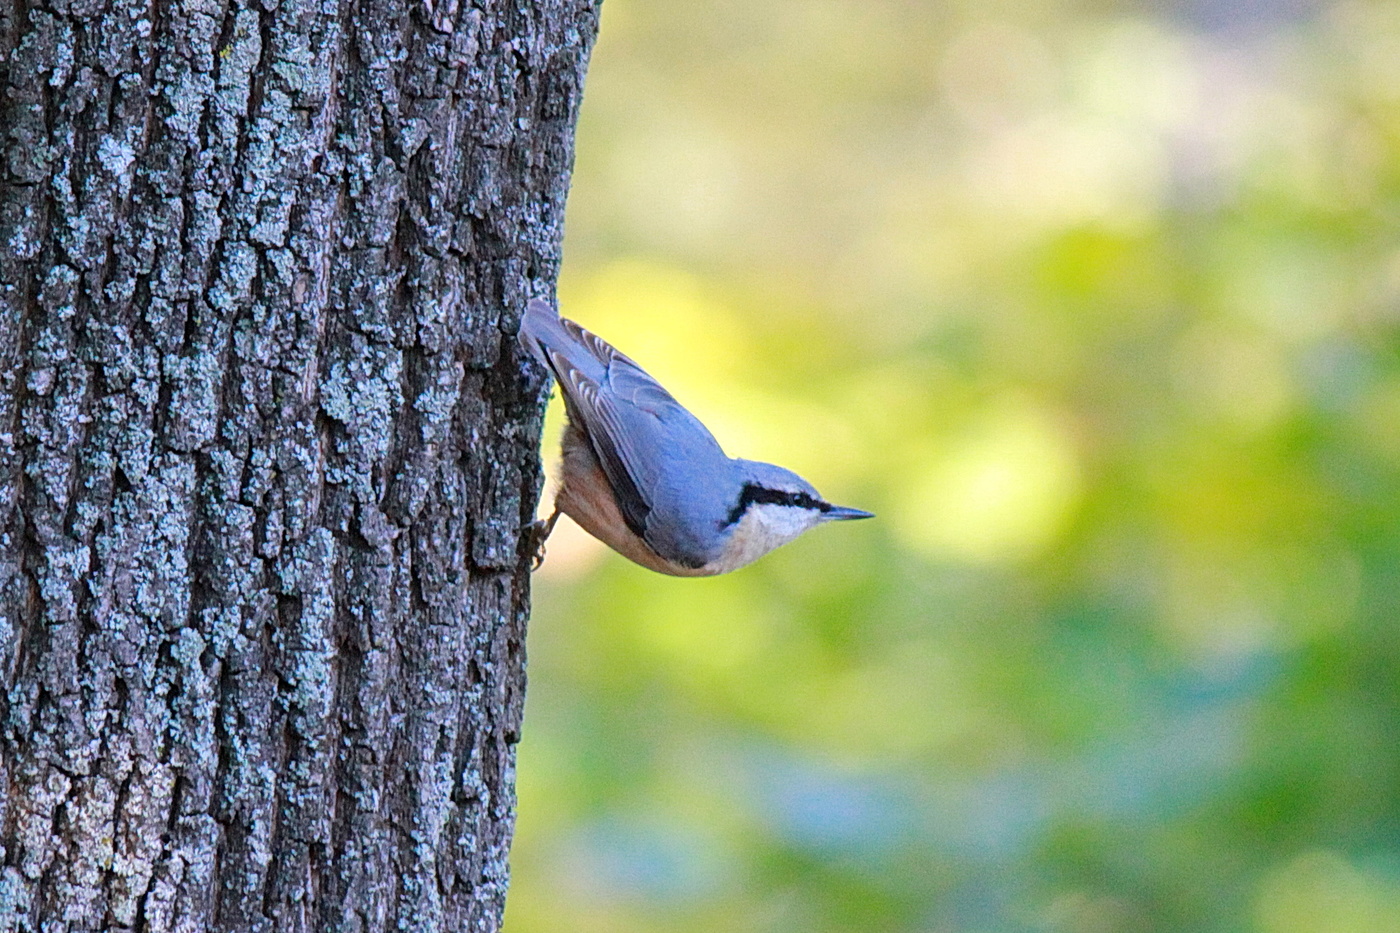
pixel 540 329
pixel 560 343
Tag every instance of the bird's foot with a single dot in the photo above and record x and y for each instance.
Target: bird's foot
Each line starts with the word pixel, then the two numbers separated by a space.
pixel 538 533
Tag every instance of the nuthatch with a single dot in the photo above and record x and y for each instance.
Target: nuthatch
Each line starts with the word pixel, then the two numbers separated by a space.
pixel 645 477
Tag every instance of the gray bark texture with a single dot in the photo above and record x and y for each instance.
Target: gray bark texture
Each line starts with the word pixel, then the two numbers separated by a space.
pixel 266 452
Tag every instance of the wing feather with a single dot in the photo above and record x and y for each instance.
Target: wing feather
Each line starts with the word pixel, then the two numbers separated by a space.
pixel 634 425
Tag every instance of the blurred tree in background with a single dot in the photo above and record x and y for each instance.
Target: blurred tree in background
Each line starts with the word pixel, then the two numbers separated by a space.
pixel 1097 306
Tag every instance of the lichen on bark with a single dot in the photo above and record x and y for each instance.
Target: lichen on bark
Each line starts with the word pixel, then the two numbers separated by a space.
pixel 266 451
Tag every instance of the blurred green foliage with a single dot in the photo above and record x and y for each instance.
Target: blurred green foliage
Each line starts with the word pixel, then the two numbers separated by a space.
pixel 1097 306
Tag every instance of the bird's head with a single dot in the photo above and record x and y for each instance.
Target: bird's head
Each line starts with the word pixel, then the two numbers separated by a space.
pixel 775 505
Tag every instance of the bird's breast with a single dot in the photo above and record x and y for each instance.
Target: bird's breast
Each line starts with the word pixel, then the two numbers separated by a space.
pixel 586 496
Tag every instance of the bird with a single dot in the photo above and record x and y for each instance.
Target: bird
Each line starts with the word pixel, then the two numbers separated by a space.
pixel 643 475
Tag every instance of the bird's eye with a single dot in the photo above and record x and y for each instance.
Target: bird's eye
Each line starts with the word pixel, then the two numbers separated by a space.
pixel 754 494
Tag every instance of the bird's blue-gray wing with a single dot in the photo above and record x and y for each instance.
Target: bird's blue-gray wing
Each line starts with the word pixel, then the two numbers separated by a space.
pixel 641 435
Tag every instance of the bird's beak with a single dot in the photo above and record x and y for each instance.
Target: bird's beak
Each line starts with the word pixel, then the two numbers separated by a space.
pixel 839 513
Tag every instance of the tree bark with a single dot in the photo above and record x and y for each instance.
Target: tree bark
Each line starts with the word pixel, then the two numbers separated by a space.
pixel 266 451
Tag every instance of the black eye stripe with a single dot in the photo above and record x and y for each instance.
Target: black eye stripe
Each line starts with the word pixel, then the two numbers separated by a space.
pixel 753 495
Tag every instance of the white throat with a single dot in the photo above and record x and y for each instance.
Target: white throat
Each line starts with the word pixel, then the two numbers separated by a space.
pixel 763 527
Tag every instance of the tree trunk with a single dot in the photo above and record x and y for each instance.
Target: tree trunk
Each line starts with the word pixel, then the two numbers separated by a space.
pixel 266 451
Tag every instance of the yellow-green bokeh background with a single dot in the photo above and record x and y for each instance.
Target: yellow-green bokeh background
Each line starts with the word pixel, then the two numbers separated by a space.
pixel 1097 305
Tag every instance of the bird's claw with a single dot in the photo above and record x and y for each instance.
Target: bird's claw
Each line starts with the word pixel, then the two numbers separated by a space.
pixel 538 533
